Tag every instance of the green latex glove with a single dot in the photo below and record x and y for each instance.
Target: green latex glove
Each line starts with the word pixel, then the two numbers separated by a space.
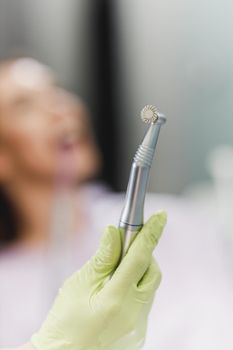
pixel 94 311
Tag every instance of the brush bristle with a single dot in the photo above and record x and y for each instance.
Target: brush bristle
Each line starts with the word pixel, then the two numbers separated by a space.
pixel 149 114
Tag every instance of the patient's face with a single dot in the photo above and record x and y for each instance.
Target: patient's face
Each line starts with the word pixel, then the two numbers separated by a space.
pixel 44 130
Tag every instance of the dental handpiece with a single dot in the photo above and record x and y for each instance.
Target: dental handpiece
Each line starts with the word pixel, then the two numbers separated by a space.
pixel 132 215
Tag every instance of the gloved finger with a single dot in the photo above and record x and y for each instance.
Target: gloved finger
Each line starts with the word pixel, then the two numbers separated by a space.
pixel 108 254
pixel 152 277
pixel 138 258
pixel 103 263
pixel 150 282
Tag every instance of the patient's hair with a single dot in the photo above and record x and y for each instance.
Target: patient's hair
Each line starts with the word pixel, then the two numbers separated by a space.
pixel 9 220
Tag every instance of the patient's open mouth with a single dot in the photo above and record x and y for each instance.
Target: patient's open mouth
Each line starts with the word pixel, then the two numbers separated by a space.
pixel 68 142
pixel 71 140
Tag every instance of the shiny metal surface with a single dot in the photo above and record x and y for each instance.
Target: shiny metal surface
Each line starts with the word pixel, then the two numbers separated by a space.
pixel 132 216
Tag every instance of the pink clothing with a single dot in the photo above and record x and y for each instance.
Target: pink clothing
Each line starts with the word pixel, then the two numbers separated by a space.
pixel 193 308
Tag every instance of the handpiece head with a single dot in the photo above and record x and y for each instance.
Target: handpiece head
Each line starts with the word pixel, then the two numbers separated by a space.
pixel 145 153
pixel 151 115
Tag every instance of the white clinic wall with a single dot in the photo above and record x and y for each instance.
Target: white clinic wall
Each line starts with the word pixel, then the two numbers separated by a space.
pixel 178 55
pixel 59 33
pixel 55 32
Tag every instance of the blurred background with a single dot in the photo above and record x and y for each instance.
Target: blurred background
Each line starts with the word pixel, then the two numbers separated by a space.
pixel 119 56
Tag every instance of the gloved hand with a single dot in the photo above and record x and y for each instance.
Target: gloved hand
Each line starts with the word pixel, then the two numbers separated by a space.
pixel 94 311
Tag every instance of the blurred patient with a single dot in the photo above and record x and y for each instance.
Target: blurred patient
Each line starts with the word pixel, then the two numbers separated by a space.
pixel 51 219
pixel 39 125
pixel 46 148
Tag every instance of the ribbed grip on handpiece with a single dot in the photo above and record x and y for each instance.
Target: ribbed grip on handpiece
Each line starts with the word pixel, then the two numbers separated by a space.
pixel 144 155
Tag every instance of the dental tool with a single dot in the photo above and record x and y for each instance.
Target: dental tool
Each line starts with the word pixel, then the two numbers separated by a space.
pixel 132 215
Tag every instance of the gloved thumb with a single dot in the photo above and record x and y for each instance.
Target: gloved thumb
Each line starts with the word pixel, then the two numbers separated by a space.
pixel 107 256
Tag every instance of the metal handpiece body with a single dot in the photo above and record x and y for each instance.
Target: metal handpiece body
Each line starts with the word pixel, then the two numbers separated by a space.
pixel 132 216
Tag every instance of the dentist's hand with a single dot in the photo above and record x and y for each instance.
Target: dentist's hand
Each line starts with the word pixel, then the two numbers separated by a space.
pixel 94 311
